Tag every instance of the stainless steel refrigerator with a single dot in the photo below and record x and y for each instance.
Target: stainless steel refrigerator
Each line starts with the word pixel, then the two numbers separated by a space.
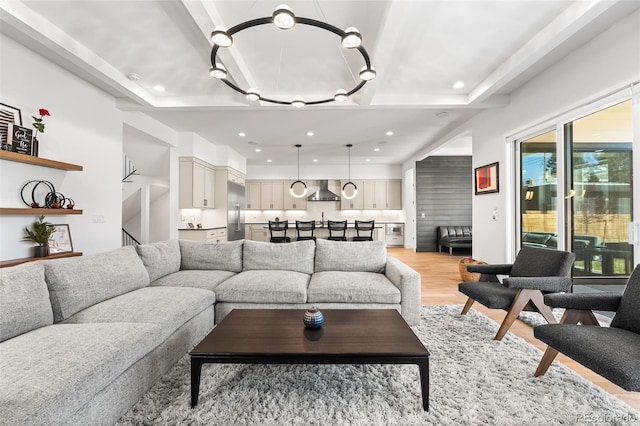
pixel 235 213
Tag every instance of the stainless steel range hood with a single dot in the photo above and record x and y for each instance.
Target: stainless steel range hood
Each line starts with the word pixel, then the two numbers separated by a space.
pixel 323 193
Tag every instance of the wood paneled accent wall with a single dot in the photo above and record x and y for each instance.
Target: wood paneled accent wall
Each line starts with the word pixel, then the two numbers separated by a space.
pixel 444 191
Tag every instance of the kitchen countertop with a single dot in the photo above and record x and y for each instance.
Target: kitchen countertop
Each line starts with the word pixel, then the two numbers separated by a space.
pixel 201 229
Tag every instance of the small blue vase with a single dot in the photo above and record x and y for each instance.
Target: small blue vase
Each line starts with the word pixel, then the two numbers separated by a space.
pixel 313 318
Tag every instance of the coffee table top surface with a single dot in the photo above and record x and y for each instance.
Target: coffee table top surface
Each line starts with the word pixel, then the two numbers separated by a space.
pixel 277 332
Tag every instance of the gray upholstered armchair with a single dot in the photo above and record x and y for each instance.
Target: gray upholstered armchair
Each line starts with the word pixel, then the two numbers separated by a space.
pixel 535 271
pixel 612 352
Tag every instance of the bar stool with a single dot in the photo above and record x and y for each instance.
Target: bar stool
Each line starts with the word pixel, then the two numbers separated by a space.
pixel 364 230
pixel 278 232
pixel 337 230
pixel 303 226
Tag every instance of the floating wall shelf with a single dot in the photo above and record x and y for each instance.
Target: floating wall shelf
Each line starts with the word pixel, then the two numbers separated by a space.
pixel 37 161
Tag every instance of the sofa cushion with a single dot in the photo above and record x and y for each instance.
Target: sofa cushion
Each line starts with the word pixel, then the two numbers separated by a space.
pixel 63 366
pixel 264 287
pixel 79 282
pixel 160 258
pixel 366 256
pixel 226 256
pixel 207 280
pixel 24 300
pixel 168 307
pixel 297 256
pixel 352 287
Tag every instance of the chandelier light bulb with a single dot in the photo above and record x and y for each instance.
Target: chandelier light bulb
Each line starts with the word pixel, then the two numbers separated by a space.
pixel 340 96
pixel 220 37
pixel 283 17
pixel 298 102
pixel 218 71
pixel 367 73
pixel 352 38
pixel 253 94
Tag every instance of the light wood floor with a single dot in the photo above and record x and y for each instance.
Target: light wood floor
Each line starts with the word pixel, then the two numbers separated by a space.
pixel 440 278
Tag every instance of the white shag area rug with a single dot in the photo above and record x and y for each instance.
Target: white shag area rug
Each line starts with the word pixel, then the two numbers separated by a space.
pixel 474 381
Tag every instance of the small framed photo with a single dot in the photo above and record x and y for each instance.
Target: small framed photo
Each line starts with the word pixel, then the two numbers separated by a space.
pixel 8 116
pixel 60 240
pixel 486 179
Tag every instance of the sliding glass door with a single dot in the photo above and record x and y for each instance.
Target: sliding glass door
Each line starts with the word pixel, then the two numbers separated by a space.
pixel 600 199
pixel 584 201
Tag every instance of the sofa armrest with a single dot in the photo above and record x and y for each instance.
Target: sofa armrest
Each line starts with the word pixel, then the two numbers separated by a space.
pixel 584 301
pixel 408 281
pixel 554 284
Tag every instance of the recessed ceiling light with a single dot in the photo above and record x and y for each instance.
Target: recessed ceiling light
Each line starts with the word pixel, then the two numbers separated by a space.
pixel 310 133
pixel 376 149
pixel 258 150
pixel 268 161
pixel 242 134
pixel 367 160
pixel 458 85
pixel 315 160
pixel 159 88
pixel 134 77
pixel 442 114
pixel 389 133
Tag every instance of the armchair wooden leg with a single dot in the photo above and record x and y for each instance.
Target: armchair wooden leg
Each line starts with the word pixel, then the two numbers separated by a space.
pixel 588 318
pixel 519 302
pixel 467 306
pixel 545 362
pixel 538 301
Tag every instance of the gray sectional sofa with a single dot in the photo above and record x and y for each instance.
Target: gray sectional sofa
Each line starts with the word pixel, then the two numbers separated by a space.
pixel 81 339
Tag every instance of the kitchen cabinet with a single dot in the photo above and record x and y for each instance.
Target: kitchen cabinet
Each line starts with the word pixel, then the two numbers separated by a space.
pixel 253 195
pixel 271 195
pixel 197 183
pixel 356 203
pixel 374 194
pixel 289 201
pixel 217 235
pixel 260 233
pixel 236 176
pixel 394 195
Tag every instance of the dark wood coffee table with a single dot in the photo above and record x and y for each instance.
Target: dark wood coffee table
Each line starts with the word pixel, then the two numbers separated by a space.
pixel 278 336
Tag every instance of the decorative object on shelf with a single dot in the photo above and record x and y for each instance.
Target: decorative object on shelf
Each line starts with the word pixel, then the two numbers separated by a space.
pixel 466 275
pixel 52 198
pixel 70 203
pixel 60 240
pixel 38 122
pixel 298 183
pixel 313 318
pixel 20 139
pixel 284 18
pixel 349 189
pixel 8 116
pixel 39 233
pixel 486 178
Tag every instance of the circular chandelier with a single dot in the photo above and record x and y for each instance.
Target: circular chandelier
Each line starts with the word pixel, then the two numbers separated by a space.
pixel 284 18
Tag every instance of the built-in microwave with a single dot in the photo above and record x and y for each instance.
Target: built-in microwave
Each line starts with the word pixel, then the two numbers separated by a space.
pixel 394 229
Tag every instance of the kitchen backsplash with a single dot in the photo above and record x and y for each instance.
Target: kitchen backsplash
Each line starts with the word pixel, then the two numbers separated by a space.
pixel 330 209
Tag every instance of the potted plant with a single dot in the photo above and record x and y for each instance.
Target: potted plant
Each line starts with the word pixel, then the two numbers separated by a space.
pixel 39 234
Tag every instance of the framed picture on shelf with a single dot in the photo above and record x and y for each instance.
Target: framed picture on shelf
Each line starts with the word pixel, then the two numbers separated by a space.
pixel 60 240
pixel 20 139
pixel 8 116
pixel 486 179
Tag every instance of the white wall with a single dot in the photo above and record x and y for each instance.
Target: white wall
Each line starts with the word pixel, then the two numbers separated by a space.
pixel 83 121
pixel 608 62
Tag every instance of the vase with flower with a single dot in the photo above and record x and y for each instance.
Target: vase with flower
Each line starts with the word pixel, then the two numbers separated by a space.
pixel 38 123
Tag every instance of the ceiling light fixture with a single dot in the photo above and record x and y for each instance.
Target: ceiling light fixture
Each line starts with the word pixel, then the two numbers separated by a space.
pixel 310 133
pixel 458 85
pixel 159 88
pixel 298 183
pixel 389 133
pixel 349 189
pixel 284 18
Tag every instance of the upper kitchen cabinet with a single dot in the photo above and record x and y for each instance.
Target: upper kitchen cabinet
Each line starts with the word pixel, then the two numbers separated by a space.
pixel 291 202
pixel 197 183
pixel 253 195
pixel 271 195
pixel 382 194
pixel 356 203
pixel 394 195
